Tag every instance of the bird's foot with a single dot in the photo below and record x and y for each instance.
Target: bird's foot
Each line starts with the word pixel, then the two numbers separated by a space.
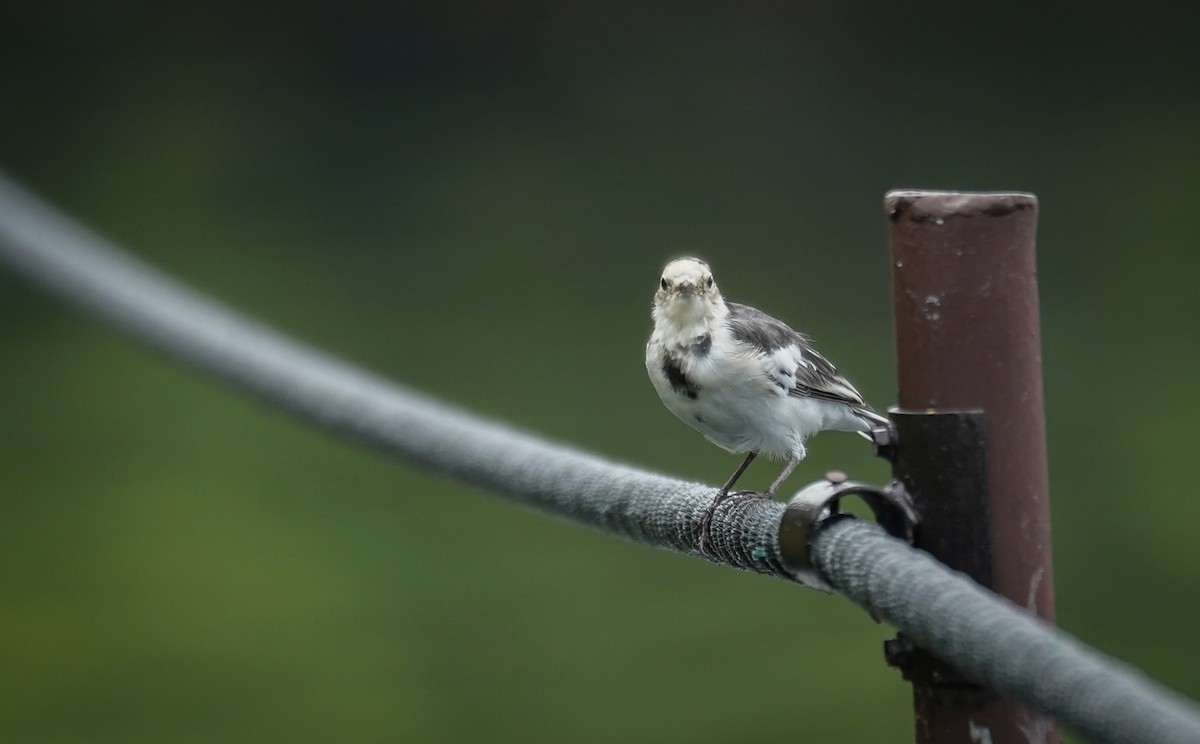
pixel 704 529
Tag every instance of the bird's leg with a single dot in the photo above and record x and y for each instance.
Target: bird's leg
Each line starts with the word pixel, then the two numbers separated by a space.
pixel 787 470
pixel 723 494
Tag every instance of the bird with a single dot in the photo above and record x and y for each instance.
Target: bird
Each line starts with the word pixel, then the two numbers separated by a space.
pixel 745 380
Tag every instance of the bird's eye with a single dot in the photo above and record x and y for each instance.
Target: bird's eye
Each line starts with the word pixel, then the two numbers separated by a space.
pixel 663 282
pixel 709 282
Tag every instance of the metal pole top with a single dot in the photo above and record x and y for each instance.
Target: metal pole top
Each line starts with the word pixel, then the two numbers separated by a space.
pixel 922 205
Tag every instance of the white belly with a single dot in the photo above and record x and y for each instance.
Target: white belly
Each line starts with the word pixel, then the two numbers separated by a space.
pixel 738 408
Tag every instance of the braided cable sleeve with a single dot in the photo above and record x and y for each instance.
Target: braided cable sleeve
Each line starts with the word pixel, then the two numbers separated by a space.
pixel 998 644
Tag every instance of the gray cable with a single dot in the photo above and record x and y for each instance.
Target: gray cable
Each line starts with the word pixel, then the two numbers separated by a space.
pixel 53 250
pixel 993 642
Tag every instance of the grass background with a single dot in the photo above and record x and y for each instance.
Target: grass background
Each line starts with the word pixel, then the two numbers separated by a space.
pixel 475 199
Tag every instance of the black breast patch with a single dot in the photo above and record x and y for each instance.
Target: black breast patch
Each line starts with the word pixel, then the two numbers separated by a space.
pixel 679 381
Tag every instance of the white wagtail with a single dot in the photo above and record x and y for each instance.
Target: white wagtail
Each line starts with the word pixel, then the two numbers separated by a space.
pixel 746 381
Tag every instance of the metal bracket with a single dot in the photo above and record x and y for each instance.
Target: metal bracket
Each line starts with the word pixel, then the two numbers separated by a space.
pixel 942 462
pixel 819 504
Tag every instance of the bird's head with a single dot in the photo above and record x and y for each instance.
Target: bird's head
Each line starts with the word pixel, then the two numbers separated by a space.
pixel 687 292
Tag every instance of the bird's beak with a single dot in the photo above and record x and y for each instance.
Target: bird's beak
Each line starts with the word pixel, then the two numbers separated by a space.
pixel 687 288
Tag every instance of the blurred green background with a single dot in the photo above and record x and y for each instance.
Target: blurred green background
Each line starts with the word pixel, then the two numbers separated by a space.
pixel 475 199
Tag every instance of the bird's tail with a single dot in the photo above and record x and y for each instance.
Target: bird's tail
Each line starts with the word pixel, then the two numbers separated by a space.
pixel 871 418
pixel 871 422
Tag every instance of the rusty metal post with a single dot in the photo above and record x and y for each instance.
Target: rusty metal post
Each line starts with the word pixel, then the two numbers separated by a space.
pixel 964 283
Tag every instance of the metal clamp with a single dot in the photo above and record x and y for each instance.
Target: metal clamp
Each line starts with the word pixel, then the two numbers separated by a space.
pixel 819 504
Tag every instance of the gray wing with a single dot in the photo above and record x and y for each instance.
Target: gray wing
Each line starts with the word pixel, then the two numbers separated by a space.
pixel 816 377
pixel 798 367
